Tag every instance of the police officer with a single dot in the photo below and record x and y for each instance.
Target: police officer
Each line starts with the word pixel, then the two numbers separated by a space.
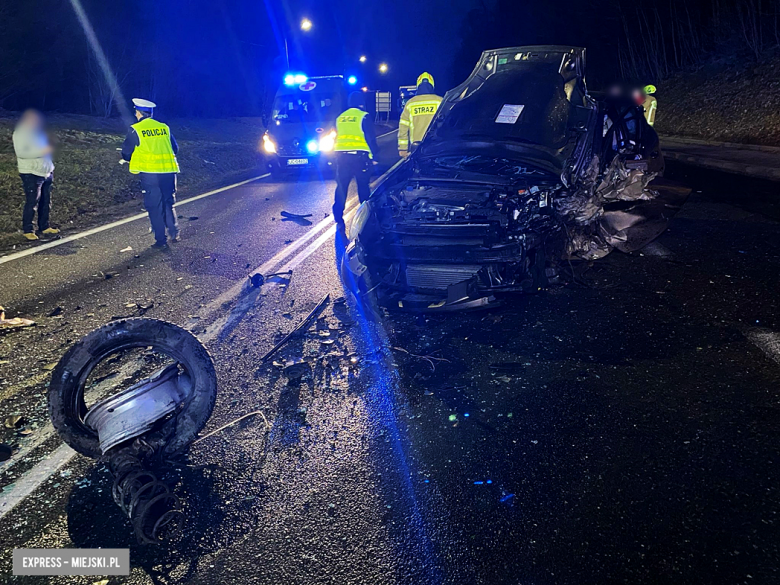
pixel 151 150
pixel 356 151
pixel 417 115
pixel 650 104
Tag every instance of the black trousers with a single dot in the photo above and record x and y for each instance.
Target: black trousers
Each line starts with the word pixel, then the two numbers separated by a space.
pixel 159 196
pixel 37 191
pixel 349 166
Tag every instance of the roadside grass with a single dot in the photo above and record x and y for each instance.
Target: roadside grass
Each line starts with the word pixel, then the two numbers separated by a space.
pixel 91 188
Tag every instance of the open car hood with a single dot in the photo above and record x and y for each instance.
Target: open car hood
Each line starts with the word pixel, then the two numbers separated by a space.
pixel 528 103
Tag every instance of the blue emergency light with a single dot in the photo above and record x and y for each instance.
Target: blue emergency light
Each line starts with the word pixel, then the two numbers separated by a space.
pixel 295 79
pixel 352 80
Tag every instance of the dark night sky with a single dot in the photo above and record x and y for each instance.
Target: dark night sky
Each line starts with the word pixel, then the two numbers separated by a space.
pixel 409 35
pixel 223 57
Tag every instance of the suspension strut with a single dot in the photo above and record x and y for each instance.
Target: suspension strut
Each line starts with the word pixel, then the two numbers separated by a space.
pixel 155 512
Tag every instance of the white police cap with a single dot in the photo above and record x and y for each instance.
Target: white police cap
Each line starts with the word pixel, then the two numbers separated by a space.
pixel 142 104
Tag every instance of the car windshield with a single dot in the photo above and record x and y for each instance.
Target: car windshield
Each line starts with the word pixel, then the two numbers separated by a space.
pixel 306 107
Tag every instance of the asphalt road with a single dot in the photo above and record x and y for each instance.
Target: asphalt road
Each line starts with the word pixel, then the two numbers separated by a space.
pixel 623 429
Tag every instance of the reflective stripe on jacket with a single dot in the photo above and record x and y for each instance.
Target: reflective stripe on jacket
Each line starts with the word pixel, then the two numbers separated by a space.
pixel 415 119
pixel 154 153
pixel 650 105
pixel 349 132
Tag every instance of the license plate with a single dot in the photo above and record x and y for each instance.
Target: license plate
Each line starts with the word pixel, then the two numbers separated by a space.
pixel 297 161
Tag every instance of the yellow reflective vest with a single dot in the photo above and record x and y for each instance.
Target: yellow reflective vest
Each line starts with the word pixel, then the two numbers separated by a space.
pixel 154 153
pixel 349 132
pixel 651 105
pixel 415 119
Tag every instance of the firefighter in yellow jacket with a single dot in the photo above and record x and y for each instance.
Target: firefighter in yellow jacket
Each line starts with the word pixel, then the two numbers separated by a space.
pixel 649 103
pixel 151 150
pixel 417 115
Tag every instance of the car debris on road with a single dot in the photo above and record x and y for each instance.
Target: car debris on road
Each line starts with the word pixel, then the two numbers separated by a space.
pixel 14 323
pixel 300 219
pixel 132 431
pixel 303 326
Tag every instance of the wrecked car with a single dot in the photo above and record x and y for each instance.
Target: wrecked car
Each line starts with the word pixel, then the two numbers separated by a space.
pixel 521 172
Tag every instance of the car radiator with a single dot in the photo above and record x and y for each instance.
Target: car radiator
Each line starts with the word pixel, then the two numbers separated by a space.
pixel 439 277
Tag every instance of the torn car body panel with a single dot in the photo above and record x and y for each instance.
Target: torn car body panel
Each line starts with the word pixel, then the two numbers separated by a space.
pixel 520 170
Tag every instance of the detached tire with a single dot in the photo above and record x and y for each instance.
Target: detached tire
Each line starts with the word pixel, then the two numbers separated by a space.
pixel 66 391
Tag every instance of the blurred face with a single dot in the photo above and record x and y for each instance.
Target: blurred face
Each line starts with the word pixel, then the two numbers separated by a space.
pixel 31 119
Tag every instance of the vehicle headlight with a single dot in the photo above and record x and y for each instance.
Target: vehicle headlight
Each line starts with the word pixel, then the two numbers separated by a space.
pixel 268 144
pixel 359 220
pixel 312 147
pixel 328 141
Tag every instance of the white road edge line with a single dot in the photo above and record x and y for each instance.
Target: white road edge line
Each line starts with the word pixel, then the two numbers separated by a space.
pixel 31 480
pixel 108 226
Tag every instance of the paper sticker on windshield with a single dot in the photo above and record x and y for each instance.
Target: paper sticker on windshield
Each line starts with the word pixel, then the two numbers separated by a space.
pixel 509 114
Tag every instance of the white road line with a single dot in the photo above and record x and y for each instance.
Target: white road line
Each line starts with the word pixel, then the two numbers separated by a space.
pixel 108 226
pixel 41 436
pixel 766 340
pixel 34 478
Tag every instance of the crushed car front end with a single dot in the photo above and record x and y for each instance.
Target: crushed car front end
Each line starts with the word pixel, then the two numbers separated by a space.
pixel 518 174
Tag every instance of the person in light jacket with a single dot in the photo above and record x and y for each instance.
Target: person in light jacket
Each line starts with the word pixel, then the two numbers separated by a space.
pixel 33 156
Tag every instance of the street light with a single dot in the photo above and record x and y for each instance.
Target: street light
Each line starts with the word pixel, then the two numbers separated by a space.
pixel 306 25
pixel 363 59
pixel 383 68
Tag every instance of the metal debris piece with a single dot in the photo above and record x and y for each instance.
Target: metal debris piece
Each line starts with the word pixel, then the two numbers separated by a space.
pixel 295 215
pixel 299 329
pixel 15 421
pixel 128 249
pixel 15 323
pixel 300 219
pixel 258 280
pixel 231 423
pixel 428 358
pixel 55 312
pixel 5 452
pixel 296 369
